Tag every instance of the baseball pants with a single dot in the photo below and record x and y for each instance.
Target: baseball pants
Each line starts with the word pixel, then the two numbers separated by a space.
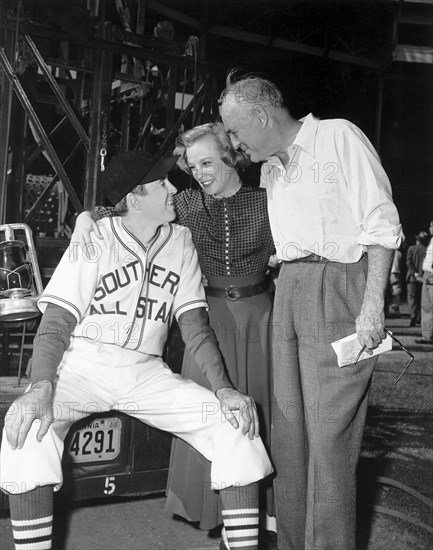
pixel 101 377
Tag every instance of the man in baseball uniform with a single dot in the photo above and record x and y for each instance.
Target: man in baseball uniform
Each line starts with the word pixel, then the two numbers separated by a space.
pixel 106 315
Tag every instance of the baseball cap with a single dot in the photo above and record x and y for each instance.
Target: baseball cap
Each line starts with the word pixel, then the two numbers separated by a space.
pixel 126 170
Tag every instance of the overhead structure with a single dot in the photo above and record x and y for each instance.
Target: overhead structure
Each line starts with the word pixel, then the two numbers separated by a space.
pixel 85 79
pixel 360 33
pixel 373 37
pixel 83 94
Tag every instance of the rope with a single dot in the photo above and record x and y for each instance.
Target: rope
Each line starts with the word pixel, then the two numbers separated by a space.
pixel 406 489
pixel 403 516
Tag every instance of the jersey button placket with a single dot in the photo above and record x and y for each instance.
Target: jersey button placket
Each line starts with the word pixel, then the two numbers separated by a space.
pixel 227 239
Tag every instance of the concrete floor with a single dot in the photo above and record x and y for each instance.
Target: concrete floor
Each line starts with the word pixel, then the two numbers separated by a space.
pixel 143 523
pixel 130 524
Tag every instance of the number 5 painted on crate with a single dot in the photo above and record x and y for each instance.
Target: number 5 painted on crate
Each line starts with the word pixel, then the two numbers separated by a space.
pixel 110 486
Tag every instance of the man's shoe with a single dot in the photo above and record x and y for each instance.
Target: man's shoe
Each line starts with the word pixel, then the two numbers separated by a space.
pixel 266 542
pixel 394 312
pixel 422 341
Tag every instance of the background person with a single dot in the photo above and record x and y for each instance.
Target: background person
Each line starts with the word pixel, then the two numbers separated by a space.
pixel 395 285
pixel 427 294
pixel 335 228
pixel 231 232
pixel 145 270
pixel 414 259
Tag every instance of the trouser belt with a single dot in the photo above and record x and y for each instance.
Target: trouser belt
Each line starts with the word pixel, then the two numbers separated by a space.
pixel 310 258
pixel 237 292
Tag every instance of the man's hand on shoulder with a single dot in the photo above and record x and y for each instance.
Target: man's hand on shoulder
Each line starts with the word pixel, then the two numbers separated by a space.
pixel 233 400
pixel 35 404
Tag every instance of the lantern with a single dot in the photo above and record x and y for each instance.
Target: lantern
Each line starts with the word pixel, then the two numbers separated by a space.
pixel 20 279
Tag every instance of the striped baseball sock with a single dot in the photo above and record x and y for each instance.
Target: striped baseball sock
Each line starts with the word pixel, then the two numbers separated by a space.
pixel 32 518
pixel 240 511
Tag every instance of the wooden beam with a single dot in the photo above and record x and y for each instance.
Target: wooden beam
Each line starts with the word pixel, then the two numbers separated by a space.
pixel 144 47
pixel 299 47
pixel 174 14
pixel 99 121
pixel 265 40
pixel 6 98
pixel 414 54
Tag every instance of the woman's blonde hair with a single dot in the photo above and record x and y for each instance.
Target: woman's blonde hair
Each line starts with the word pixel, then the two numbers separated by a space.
pixel 229 155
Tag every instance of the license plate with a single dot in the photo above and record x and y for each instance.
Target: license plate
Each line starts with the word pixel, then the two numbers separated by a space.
pixel 98 441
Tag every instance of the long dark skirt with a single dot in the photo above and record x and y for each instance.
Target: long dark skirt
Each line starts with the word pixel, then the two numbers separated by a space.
pixel 243 329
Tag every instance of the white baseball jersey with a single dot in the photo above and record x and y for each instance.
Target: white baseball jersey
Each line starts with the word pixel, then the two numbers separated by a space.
pixel 127 294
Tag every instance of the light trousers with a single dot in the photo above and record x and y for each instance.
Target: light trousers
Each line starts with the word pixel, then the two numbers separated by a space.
pixel 319 408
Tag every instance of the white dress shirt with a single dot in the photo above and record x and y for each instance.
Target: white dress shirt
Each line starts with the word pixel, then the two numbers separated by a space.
pixel 333 198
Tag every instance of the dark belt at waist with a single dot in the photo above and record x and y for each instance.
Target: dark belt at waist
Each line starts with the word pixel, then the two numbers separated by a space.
pixel 310 258
pixel 236 292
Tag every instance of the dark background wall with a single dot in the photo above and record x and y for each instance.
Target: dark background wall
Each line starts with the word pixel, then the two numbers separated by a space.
pixel 353 72
pixel 403 133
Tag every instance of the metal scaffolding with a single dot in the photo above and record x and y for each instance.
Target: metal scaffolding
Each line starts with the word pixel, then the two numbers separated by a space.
pixel 113 69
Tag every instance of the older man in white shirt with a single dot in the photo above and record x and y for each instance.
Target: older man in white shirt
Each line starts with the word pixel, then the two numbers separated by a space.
pixel 335 229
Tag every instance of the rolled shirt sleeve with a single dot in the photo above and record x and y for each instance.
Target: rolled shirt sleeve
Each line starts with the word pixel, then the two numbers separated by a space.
pixel 370 190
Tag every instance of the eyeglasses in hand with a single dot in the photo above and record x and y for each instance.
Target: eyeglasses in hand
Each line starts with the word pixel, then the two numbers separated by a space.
pixel 408 353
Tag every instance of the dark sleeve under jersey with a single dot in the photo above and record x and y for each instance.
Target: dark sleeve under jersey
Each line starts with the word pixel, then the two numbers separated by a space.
pixel 201 342
pixel 51 341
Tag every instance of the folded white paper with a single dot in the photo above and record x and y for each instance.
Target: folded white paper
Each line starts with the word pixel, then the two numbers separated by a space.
pixel 348 348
